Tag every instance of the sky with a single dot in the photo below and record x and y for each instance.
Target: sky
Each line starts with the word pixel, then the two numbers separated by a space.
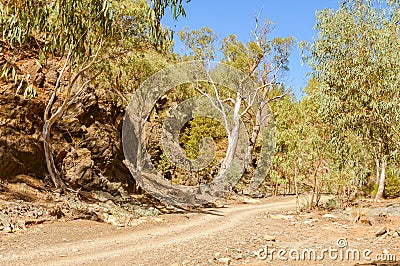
pixel 291 18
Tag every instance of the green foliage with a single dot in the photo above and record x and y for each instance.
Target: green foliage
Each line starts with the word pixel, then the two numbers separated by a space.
pixel 373 190
pixel 156 11
pixel 9 72
pixel 200 43
pixel 60 25
pixel 392 187
pixel 141 19
pixel 331 204
pixel 163 165
pixel 301 145
pixel 356 60
pixel 30 91
pixel 126 66
pixel 56 26
pixel 158 8
pixel 268 54
pixel 238 54
pixel 196 130
pixel 190 138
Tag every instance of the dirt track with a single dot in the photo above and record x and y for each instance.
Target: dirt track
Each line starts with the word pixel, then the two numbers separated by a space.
pixel 215 236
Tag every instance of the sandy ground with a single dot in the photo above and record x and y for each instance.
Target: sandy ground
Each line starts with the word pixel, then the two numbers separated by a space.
pixel 235 234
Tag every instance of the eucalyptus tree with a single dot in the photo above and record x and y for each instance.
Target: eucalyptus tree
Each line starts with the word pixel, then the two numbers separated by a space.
pixel 356 59
pixel 75 32
pixel 302 154
pixel 264 59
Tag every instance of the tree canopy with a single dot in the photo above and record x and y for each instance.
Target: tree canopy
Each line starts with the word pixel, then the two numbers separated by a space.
pixel 356 60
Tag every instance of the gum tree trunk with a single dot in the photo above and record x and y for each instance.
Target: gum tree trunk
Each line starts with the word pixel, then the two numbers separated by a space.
pixel 51 167
pixel 381 188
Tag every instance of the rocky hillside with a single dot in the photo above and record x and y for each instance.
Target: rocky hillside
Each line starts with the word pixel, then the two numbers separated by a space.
pixel 86 141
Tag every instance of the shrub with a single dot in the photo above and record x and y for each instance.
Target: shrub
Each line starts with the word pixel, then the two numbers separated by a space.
pixel 392 185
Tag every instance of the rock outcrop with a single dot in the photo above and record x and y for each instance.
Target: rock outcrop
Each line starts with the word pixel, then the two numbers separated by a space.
pixel 86 141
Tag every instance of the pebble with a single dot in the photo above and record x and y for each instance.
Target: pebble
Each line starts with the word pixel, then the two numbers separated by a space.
pixel 224 260
pixel 328 215
pixel 8 229
pixel 281 217
pixel 269 237
pixel 381 232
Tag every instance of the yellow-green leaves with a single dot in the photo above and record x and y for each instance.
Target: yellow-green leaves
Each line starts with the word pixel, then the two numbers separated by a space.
pixel 201 43
pixel 356 58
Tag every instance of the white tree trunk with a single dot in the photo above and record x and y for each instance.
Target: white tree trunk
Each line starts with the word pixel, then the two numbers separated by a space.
pixel 233 138
pixel 378 169
pixel 315 185
pixel 296 190
pixel 381 188
pixel 233 135
pixel 51 166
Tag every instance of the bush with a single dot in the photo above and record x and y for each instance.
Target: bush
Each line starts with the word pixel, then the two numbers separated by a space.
pixel 331 204
pixel 374 190
pixel 392 185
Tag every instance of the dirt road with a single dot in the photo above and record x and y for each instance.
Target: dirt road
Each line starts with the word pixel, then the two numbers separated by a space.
pixel 163 241
pixel 229 235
